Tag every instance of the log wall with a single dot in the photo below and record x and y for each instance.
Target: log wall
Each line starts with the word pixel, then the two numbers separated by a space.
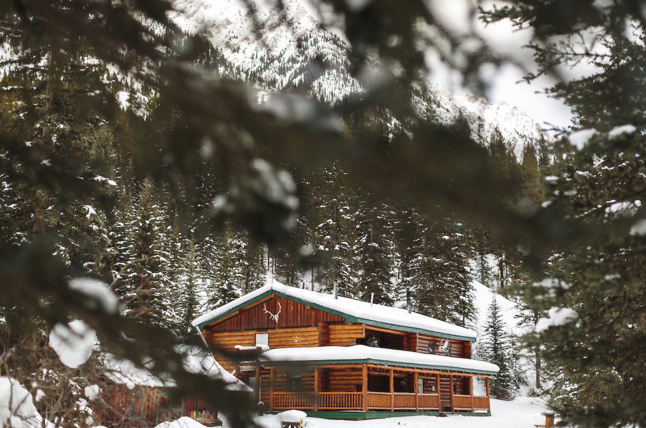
pixel 282 338
pixel 292 314
pixel 344 334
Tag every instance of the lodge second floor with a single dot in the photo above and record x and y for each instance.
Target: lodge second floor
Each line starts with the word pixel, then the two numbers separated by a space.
pixel 277 316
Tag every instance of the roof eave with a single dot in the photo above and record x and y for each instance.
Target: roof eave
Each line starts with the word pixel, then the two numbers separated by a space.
pixel 377 362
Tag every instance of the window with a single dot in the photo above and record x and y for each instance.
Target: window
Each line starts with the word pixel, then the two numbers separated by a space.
pixel 169 407
pixel 293 383
pixel 431 347
pixel 203 410
pixel 262 339
pixel 447 352
pixel 136 404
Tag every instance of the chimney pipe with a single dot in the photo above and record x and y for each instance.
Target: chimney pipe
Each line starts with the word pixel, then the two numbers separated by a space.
pixel 372 297
pixel 410 304
pixel 336 291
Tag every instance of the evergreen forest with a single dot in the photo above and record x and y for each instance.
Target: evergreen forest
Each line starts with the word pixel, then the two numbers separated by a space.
pixel 138 154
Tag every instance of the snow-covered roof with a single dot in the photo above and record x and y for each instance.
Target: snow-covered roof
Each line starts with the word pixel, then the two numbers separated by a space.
pixel 366 354
pixel 195 361
pixel 354 311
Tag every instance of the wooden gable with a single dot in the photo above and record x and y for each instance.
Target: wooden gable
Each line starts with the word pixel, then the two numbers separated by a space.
pixel 258 316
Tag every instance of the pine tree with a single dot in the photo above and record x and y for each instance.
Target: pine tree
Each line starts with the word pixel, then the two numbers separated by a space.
pixel 440 274
pixel 496 347
pixel 333 223
pixel 374 246
pixel 188 294
pixel 147 302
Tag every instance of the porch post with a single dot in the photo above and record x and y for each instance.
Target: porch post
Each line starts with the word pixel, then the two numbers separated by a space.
pixel 271 389
pixel 488 401
pixel 364 387
pixel 392 391
pixel 316 389
pixel 415 382
pixel 257 385
pixel 471 391
pixel 437 389
pixel 451 391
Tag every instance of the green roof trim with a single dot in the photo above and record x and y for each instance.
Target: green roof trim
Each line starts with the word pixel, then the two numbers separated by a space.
pixel 348 318
pixel 232 310
pixel 371 361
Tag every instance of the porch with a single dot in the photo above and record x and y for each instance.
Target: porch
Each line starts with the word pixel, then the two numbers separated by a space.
pixel 369 388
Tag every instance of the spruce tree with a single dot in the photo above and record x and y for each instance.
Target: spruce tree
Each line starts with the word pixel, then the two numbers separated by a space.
pixel 146 303
pixel 496 347
pixel 440 275
pixel 596 182
pixel 333 222
pixel 375 246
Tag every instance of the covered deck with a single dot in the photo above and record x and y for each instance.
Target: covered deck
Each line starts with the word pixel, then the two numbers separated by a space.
pixel 362 379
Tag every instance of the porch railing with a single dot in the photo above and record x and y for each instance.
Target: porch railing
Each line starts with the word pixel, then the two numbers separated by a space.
pixel 429 401
pixel 468 402
pixel 293 400
pixel 375 401
pixel 340 400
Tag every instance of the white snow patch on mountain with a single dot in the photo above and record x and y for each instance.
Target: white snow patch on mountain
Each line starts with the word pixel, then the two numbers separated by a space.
pixel 284 59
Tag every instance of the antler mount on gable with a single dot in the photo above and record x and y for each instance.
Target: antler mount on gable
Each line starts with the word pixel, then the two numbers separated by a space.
pixel 273 316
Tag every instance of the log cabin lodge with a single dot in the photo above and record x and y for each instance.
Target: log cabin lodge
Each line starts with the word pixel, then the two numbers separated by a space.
pixel 334 357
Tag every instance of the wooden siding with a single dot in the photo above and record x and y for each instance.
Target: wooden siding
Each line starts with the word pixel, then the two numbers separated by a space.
pixel 306 337
pixel 292 314
pixel 345 334
pixel 346 380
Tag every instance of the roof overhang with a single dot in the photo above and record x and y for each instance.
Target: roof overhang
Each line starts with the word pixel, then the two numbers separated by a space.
pixel 389 357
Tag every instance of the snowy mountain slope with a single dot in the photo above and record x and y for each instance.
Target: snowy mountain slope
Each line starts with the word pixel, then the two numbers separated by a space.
pixel 300 55
pixel 483 118
pixel 482 300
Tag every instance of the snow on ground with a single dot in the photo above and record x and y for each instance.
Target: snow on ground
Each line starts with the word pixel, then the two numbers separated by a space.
pixel 521 413
pixel 17 408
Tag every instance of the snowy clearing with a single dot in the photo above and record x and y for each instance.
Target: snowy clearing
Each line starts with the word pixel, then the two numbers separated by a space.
pixel 523 412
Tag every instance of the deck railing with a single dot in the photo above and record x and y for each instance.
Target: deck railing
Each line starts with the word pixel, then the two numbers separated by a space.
pixel 293 400
pixel 340 400
pixel 378 400
pixel 468 402
pixel 481 403
pixel 429 402
pixel 375 401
